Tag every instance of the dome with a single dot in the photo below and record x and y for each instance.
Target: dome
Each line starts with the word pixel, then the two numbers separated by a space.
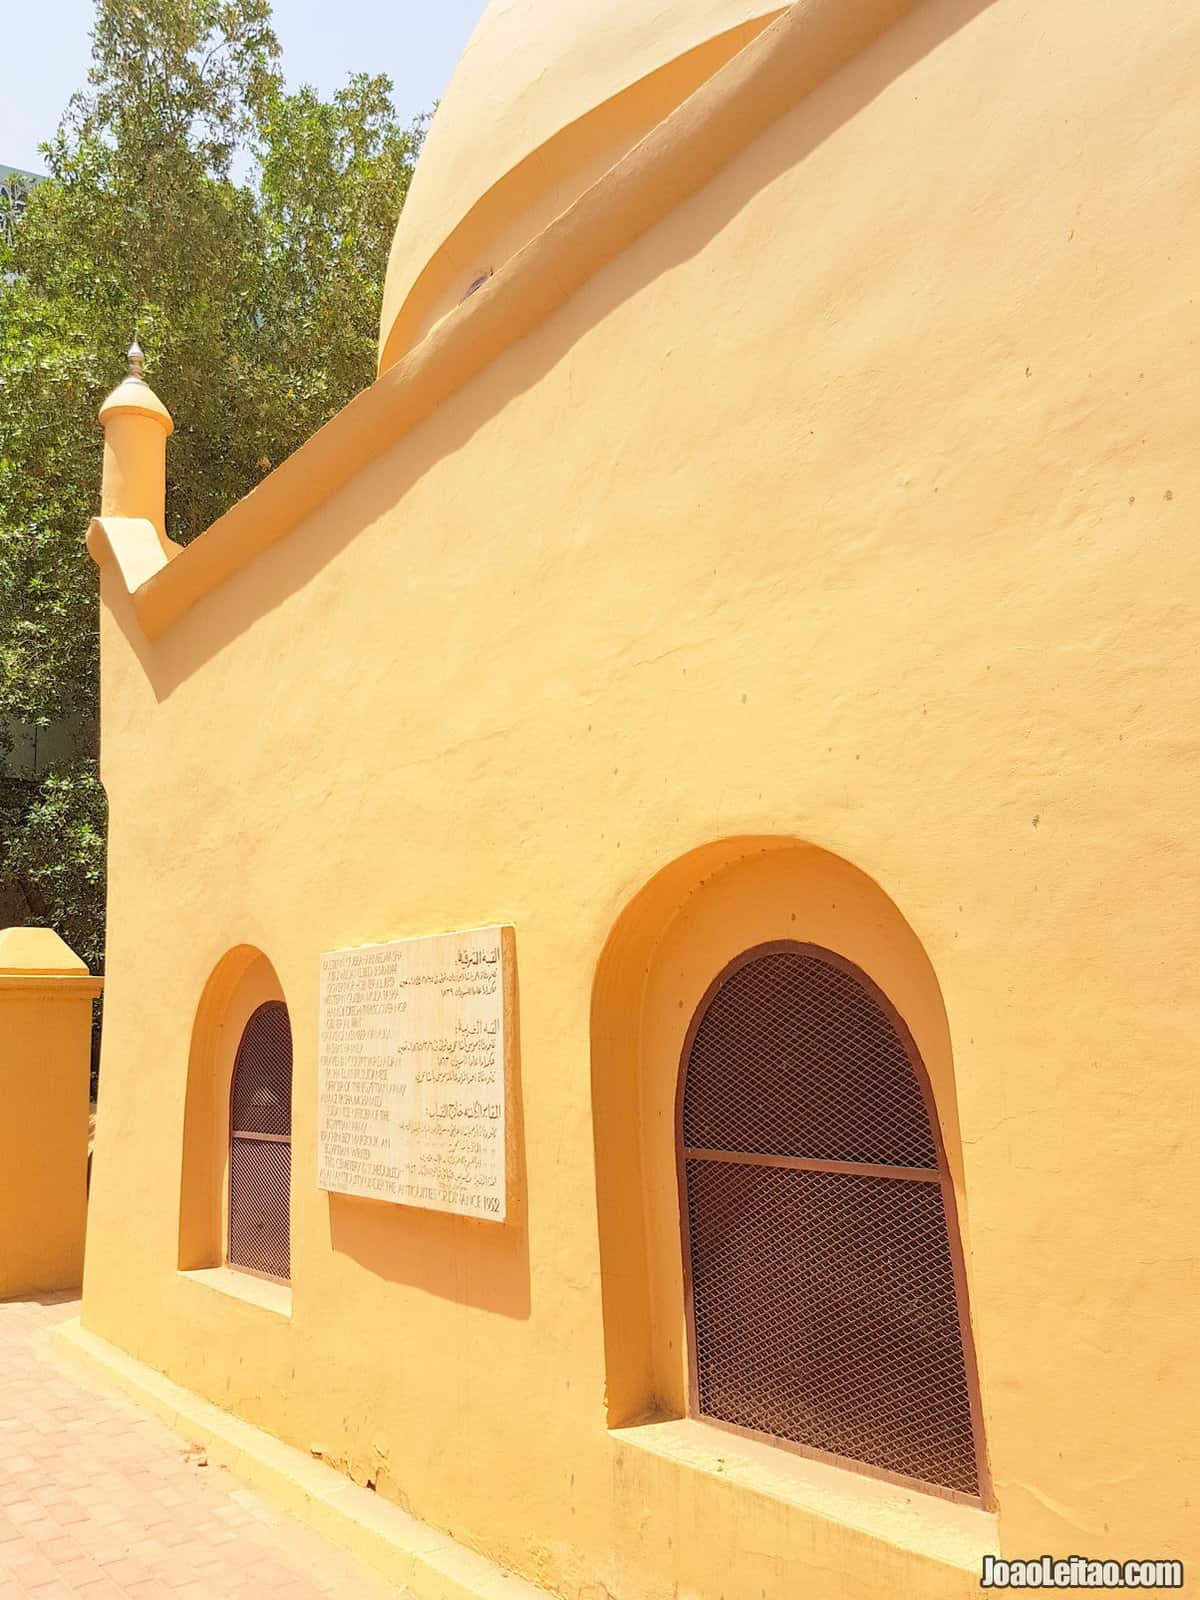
pixel 547 95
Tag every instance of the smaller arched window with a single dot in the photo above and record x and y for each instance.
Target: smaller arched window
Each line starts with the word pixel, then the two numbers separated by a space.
pixel 260 1145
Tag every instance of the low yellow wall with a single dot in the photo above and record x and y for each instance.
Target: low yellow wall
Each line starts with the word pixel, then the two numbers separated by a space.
pixel 833 543
pixel 45 1063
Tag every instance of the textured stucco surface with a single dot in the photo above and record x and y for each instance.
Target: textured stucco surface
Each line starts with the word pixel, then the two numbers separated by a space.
pixel 851 506
pixel 530 72
pixel 45 1072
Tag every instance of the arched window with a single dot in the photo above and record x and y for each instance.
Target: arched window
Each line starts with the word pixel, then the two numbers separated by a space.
pixel 826 1298
pixel 260 1145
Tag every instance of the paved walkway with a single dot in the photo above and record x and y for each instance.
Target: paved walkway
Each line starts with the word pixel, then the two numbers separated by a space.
pixel 98 1500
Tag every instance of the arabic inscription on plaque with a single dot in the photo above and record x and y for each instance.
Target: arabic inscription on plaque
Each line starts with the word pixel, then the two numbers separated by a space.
pixel 411 1089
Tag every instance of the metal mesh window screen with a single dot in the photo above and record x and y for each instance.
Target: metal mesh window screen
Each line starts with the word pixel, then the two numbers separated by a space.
pixel 821 1071
pixel 824 1289
pixel 260 1145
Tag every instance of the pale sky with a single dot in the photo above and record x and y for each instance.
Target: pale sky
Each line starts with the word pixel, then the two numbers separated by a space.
pixel 46 52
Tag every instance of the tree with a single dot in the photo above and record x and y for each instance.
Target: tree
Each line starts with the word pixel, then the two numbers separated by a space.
pixel 242 231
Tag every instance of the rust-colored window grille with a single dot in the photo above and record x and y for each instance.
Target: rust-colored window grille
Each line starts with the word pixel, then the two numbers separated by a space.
pixel 260 1145
pixel 826 1297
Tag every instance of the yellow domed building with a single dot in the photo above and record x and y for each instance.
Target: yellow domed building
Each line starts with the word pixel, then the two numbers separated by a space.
pixel 650 1014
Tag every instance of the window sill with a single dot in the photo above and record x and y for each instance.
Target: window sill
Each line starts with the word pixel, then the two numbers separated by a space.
pixel 924 1524
pixel 261 1292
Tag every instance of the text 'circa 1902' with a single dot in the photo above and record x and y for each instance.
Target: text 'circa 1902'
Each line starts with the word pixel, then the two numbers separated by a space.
pixel 411 1098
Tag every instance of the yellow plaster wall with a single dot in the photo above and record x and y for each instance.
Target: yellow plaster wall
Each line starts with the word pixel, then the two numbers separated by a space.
pixel 685 927
pixel 45 1067
pixel 561 89
pixel 242 981
pixel 851 507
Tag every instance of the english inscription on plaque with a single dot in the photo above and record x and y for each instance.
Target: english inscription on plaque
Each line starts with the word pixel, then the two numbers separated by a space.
pixel 411 1075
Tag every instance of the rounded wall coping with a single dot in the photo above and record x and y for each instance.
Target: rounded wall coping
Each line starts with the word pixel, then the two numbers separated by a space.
pixel 410 298
pixel 793 55
pixel 133 544
pixel 531 69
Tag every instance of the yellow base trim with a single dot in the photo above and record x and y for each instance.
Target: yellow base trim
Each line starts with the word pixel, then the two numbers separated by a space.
pixel 429 1564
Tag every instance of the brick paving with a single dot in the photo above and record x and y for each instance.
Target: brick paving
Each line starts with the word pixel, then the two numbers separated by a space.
pixel 99 1500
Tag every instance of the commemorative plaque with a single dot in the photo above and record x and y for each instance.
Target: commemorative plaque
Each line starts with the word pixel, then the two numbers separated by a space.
pixel 411 1089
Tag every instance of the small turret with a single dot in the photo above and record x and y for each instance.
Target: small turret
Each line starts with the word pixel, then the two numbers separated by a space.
pixel 136 428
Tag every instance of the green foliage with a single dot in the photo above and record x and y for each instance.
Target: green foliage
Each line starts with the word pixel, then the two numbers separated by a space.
pixel 334 177
pixel 242 231
pixel 57 854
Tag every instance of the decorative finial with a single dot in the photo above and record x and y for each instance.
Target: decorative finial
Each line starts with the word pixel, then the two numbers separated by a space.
pixel 137 363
